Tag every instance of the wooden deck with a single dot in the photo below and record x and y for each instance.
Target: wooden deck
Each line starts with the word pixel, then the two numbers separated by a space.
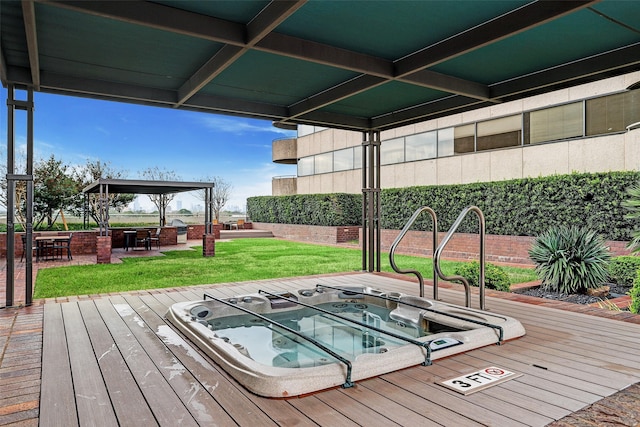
pixel 115 361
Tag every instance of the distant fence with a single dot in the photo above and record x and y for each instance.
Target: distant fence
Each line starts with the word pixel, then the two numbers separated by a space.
pixel 116 218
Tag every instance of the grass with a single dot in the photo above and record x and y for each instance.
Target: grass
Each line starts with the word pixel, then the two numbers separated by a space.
pixel 235 261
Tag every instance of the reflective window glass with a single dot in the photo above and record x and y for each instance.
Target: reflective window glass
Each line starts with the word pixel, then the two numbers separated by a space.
pixel 612 113
pixel 421 146
pixel 550 124
pixel 392 151
pixel 357 157
pixel 323 163
pixel 305 166
pixel 464 139
pixel 445 142
pixel 343 160
pixel 499 133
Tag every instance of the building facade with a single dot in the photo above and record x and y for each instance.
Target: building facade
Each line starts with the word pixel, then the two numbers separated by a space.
pixel 593 127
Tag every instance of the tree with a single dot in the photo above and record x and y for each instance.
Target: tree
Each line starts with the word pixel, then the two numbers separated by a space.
pixel 161 201
pixel 54 189
pixel 221 194
pixel 91 172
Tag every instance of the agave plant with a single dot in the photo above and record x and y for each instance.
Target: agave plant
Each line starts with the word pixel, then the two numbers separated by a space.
pixel 570 259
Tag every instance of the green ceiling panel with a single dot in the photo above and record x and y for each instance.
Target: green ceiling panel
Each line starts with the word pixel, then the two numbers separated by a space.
pixel 241 11
pixel 391 96
pixel 566 39
pixel 102 45
pixel 263 77
pixel 365 26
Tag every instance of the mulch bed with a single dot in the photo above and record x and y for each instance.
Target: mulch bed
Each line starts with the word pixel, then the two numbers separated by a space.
pixel 540 292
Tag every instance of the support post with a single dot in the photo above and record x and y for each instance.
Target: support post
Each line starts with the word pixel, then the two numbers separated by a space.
pixel 209 238
pixel 371 240
pixel 12 179
pixel 103 240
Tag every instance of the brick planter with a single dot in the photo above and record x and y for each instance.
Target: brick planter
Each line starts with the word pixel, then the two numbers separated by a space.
pixel 208 245
pixel 103 244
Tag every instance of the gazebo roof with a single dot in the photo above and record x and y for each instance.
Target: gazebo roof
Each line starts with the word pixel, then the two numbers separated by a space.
pixel 129 186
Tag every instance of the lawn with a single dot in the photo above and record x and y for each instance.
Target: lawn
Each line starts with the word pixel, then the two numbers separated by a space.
pixel 235 261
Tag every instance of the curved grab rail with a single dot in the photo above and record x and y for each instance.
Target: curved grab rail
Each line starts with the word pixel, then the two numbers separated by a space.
pixel 633 126
pixel 445 240
pixel 396 242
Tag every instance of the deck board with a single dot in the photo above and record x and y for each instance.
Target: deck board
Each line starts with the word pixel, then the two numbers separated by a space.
pixel 92 399
pixel 158 393
pixel 57 401
pixel 126 398
pixel 143 372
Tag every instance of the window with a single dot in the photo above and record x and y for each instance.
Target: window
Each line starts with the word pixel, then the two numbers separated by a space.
pixel 392 151
pixel 421 146
pixel 323 163
pixel 305 166
pixel 304 130
pixel 343 160
pixel 357 157
pixel 445 142
pixel 550 124
pixel 499 133
pixel 464 139
pixel 612 113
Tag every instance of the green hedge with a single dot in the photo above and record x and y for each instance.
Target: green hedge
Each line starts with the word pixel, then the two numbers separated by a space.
pixel 624 269
pixel 307 209
pixel 521 207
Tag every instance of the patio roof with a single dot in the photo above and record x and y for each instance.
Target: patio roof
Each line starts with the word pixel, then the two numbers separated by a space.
pixel 356 65
pixel 131 186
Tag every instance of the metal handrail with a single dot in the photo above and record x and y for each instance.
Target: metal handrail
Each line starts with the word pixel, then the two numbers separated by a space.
pixel 347 383
pixel 396 242
pixel 633 126
pixel 443 243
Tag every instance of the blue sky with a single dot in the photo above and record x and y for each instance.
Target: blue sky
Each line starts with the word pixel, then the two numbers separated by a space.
pixel 133 138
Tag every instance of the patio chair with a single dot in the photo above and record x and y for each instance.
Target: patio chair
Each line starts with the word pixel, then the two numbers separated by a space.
pixel 240 224
pixel 63 245
pixel 155 238
pixel 142 239
pixel 25 247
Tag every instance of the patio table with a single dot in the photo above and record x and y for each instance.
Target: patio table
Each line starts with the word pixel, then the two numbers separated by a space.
pixel 129 239
pixel 45 246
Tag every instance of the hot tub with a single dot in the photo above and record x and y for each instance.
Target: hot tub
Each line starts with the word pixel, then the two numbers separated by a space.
pixel 293 343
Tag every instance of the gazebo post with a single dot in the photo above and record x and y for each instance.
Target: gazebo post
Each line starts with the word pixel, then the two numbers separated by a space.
pixel 209 238
pixel 103 240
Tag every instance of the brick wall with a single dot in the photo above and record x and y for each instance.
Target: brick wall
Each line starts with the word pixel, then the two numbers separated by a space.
pixel 507 249
pixel 310 233
pixel 82 242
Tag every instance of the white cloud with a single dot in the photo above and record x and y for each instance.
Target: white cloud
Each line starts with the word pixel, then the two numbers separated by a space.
pixel 240 126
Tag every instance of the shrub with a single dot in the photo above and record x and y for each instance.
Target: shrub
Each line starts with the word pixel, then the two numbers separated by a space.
pixel 570 259
pixel 632 205
pixel 624 269
pixel 635 295
pixel 494 276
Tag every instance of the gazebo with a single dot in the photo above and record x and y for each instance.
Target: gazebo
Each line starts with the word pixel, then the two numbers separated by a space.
pixel 104 186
